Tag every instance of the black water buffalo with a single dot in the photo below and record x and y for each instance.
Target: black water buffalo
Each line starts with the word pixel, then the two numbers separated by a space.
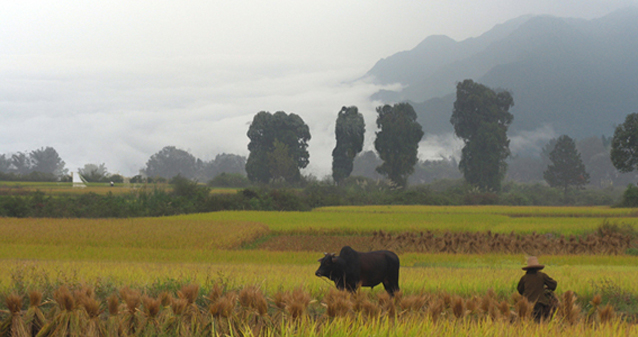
pixel 352 269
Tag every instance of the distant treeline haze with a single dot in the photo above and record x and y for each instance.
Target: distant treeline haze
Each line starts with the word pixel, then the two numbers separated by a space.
pixel 45 165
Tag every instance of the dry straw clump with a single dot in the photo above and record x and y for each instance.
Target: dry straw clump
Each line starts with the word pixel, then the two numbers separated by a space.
pixel 363 305
pixel 387 303
pixel 436 309
pixel 189 292
pixel 338 303
pixel 94 325
pixel 113 304
pixel 472 305
pixel 568 310
pixel 132 300
pixel 215 293
pixel 150 316
pixel 246 311
pixel 504 310
pixel 34 317
pixel 294 303
pixel 64 299
pixel 523 308
pixel 602 242
pixel 415 303
pixel 606 314
pixel 14 304
pixel 66 319
pixel 224 306
pixel 252 298
pixel 13 325
pixel 458 307
pixel 151 306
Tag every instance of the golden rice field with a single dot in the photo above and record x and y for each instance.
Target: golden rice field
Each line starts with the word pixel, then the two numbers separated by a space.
pixel 223 248
pixel 66 188
pixel 366 219
pixel 271 271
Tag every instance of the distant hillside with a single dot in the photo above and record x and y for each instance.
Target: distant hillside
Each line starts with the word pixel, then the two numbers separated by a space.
pixel 578 76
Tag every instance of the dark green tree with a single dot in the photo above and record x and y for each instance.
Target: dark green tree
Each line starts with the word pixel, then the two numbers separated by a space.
pixel 595 153
pixel 349 131
pixel 46 160
pixel 5 163
pixel 365 165
pixel 566 168
pixel 229 163
pixel 428 171
pixel 290 130
pixel 624 145
pixel 481 118
pixel 224 163
pixel 546 150
pixel 94 172
pixel 21 163
pixel 397 141
pixel 224 179
pixel 170 162
pixel 282 166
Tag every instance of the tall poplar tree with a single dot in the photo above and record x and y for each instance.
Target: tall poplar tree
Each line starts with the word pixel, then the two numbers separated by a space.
pixel 349 131
pixel 397 141
pixel 481 118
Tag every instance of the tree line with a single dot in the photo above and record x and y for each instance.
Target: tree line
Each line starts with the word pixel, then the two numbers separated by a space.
pixel 45 164
pixel 278 150
pixel 187 196
pixel 480 117
pixel 170 162
pixel 42 164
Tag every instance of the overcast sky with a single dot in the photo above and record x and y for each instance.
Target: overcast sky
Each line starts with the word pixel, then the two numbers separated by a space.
pixel 115 81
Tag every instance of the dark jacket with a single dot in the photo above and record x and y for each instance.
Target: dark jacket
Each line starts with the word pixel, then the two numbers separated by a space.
pixel 532 286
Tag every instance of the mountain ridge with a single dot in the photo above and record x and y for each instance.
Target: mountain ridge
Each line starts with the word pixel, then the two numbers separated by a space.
pixel 575 75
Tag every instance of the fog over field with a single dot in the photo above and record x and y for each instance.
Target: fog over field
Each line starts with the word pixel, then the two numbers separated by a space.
pixel 114 82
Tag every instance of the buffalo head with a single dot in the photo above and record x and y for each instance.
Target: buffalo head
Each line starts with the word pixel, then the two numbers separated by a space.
pixel 327 265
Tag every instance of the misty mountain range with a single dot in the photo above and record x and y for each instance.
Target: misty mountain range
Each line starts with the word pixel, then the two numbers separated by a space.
pixel 579 77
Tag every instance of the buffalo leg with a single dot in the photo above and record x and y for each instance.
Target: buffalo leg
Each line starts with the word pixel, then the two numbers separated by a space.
pixel 391 283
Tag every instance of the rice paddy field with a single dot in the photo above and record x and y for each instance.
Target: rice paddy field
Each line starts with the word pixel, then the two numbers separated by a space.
pixel 66 188
pixel 252 273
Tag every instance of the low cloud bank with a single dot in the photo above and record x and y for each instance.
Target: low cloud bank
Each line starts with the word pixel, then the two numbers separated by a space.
pixel 121 114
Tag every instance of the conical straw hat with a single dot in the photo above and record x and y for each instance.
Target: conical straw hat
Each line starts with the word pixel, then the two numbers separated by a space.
pixel 532 263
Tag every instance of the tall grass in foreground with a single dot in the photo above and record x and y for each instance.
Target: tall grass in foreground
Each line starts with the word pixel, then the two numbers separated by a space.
pixel 78 311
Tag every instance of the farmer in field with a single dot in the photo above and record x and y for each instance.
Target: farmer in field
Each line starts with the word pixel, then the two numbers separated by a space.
pixel 538 288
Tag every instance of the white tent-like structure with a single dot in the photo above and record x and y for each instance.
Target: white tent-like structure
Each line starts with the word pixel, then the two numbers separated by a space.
pixel 78 180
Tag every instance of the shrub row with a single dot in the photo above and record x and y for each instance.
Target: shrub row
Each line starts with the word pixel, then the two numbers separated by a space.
pixel 33 176
pixel 142 203
pixel 189 197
